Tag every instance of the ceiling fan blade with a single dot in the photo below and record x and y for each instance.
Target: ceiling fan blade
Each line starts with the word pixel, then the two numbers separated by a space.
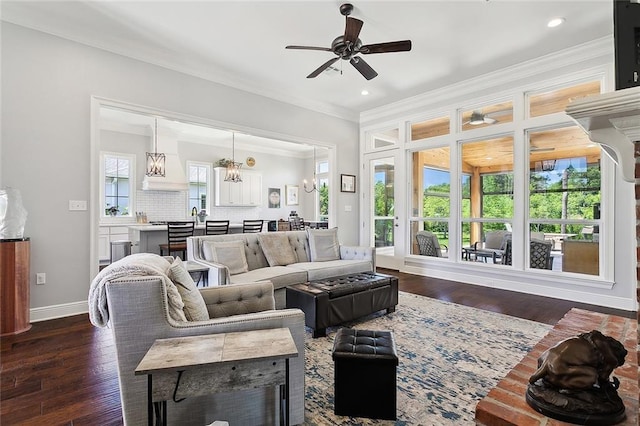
pixel 323 67
pixel 490 120
pixel 352 30
pixel 326 49
pixel 364 68
pixel 392 46
pixel 536 149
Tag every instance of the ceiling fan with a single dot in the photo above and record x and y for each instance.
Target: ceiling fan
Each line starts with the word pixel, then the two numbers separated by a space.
pixel 348 46
pixel 477 118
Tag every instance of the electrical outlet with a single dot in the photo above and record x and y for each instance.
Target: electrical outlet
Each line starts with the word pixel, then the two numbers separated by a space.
pixel 77 204
pixel 41 278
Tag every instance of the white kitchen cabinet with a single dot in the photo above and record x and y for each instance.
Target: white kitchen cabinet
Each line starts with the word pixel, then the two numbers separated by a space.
pixel 103 243
pixel 107 235
pixel 245 193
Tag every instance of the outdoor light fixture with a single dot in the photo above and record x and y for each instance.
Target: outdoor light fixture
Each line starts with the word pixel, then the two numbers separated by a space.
pixel 314 182
pixel 233 168
pixel 155 160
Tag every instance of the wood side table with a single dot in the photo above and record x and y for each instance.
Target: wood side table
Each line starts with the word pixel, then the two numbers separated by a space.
pixel 182 367
pixel 14 286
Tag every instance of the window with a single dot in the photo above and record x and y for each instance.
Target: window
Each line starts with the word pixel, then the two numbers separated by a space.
pixel 564 197
pixel 322 200
pixel 556 100
pixel 430 128
pixel 487 115
pixel 430 196
pixel 486 190
pixel 118 176
pixel 199 186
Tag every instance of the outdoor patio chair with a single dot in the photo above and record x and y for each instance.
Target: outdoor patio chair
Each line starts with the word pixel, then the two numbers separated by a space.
pixel 428 244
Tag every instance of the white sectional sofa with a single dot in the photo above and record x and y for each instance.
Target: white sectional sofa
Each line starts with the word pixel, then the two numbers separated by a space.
pixel 284 258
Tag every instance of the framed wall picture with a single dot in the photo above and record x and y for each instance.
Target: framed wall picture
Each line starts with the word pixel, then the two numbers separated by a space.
pixel 347 183
pixel 291 194
pixel 273 195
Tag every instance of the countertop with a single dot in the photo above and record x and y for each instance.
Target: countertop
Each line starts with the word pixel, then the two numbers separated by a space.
pixel 149 227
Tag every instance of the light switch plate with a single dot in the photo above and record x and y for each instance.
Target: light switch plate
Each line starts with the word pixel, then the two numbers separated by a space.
pixel 77 204
pixel 347 208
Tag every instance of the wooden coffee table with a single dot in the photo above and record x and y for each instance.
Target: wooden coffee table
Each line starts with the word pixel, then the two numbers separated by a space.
pixel 183 367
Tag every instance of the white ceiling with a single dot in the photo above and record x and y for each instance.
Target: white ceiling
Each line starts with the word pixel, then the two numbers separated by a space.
pixel 242 43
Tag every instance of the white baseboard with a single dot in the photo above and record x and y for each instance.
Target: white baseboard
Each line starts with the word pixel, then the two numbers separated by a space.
pixel 58 311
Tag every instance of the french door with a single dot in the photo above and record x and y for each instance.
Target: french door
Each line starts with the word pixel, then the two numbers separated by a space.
pixel 383 207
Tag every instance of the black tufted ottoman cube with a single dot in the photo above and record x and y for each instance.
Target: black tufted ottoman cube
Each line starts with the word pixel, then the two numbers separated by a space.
pixel 365 365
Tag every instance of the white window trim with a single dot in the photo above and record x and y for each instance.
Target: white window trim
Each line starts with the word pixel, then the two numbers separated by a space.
pixel 209 193
pixel 104 219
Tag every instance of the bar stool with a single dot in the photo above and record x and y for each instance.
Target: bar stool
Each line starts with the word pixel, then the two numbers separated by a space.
pixel 216 227
pixel 177 234
pixel 250 226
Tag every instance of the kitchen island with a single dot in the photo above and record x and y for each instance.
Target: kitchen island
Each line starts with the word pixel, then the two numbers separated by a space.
pixel 146 238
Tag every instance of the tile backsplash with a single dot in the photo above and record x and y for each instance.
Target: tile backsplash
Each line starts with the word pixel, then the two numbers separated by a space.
pixel 167 205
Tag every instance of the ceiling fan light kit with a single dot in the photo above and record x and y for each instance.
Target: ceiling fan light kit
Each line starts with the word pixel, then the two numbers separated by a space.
pixel 348 46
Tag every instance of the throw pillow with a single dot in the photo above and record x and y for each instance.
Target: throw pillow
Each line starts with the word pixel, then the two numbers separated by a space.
pixel 276 248
pixel 323 244
pixel 228 253
pixel 194 307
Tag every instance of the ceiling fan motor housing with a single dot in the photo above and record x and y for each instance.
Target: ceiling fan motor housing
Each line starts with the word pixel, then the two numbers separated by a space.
pixel 343 49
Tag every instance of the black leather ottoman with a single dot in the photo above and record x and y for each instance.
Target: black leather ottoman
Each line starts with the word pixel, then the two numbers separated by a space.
pixel 333 301
pixel 365 365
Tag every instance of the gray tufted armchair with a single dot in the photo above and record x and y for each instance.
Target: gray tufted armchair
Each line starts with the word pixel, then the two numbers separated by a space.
pixel 139 314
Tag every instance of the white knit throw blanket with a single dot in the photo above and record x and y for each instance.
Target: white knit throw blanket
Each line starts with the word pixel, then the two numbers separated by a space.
pixel 140 264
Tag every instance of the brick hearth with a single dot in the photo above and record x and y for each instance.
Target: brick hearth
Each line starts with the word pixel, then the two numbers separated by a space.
pixel 505 404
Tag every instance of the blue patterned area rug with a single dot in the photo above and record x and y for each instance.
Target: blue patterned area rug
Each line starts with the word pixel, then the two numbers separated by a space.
pixel 450 357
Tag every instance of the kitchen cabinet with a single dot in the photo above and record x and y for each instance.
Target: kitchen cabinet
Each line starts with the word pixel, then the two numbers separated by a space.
pixel 107 235
pixel 103 243
pixel 245 193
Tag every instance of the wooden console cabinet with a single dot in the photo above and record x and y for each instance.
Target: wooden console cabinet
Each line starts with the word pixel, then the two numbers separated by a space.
pixel 14 286
pixel 581 256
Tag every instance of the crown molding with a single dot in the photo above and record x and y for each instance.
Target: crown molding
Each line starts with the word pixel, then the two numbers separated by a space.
pixel 602 47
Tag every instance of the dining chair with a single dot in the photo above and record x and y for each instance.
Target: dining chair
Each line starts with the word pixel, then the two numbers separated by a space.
pixel 216 227
pixel 177 234
pixel 249 226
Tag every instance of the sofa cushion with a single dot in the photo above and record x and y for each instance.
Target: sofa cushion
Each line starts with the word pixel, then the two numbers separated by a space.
pixel 280 276
pixel 276 248
pixel 323 244
pixel 194 306
pixel 332 268
pixel 228 253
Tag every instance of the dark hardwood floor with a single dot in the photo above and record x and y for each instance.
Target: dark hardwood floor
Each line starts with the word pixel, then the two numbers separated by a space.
pixel 63 371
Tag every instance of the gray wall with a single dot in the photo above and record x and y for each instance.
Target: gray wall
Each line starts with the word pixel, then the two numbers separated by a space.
pixel 47 83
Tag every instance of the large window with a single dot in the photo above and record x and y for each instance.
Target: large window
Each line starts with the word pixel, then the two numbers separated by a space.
pixel 562 170
pixel 486 197
pixel 564 197
pixel 430 198
pixel 199 186
pixel 118 172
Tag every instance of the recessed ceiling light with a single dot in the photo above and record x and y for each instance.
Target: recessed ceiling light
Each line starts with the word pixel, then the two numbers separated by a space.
pixel 555 22
pixel 365 92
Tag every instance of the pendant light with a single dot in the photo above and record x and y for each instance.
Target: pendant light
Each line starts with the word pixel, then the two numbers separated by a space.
pixel 155 160
pixel 314 182
pixel 233 168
